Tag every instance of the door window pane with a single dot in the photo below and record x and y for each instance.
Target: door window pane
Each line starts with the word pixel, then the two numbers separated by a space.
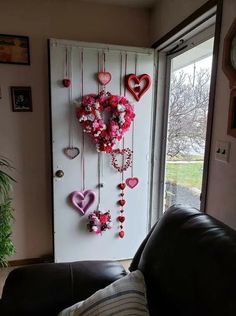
pixel 190 77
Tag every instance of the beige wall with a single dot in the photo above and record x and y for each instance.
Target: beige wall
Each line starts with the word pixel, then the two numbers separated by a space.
pixel 221 201
pixel 24 137
pixel 169 13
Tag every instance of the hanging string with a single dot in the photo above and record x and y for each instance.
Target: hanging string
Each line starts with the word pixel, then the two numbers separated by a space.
pixel 71 106
pixel 100 161
pixel 133 124
pixel 66 64
pixel 83 141
pixel 98 59
pixel 104 68
pixel 123 141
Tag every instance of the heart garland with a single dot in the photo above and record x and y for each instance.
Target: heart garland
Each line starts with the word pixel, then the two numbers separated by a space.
pixel 71 152
pixel 133 83
pixel 126 154
pixel 83 200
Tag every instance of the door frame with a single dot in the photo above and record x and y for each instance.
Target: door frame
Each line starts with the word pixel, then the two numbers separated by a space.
pixel 186 29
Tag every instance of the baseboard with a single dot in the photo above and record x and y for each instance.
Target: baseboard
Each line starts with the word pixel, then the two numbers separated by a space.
pixel 24 262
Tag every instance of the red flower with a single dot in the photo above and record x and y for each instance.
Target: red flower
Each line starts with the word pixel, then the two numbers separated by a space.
pixel 103 218
pixel 113 101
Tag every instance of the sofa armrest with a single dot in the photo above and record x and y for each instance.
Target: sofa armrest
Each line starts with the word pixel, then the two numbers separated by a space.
pixel 46 289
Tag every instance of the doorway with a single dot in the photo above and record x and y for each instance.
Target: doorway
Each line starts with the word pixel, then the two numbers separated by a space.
pixel 188 82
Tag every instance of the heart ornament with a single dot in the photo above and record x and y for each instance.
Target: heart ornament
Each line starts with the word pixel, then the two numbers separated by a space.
pixel 83 200
pixel 138 85
pixel 66 82
pixel 132 182
pixel 105 118
pixel 104 77
pixel 125 158
pixel 71 152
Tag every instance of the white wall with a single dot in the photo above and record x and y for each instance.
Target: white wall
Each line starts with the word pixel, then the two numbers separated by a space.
pixel 221 199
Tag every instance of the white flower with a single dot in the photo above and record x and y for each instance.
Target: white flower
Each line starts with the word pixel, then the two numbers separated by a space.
pixel 91 117
pixel 122 118
pixel 120 108
pixel 98 114
pixel 83 118
pixel 96 105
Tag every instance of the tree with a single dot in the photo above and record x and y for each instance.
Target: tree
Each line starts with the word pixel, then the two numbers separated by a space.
pixel 188 108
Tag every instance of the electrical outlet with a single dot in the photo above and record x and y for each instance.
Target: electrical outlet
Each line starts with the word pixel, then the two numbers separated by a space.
pixel 222 150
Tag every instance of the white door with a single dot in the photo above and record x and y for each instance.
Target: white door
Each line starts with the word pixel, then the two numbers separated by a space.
pixel 90 170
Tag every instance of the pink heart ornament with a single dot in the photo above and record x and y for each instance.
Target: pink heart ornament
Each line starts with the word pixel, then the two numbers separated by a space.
pixel 83 200
pixel 71 152
pixel 104 77
pixel 132 182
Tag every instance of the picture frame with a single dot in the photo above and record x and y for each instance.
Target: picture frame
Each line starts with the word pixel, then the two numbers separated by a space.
pixel 14 49
pixel 21 99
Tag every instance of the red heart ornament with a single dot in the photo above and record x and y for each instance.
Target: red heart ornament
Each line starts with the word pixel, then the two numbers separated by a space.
pixel 133 85
pixel 71 152
pixel 121 219
pixel 104 77
pixel 122 186
pixel 66 83
pixel 121 234
pixel 132 182
pixel 82 200
pixel 122 202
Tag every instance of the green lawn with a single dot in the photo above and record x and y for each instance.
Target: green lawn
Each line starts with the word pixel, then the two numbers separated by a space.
pixel 186 174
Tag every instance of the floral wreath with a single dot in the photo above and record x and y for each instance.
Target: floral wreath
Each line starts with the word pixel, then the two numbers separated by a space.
pixel 99 222
pixel 90 115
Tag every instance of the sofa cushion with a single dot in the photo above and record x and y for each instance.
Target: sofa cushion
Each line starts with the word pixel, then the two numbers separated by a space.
pixel 123 297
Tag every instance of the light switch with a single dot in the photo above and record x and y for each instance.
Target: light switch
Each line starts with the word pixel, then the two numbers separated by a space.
pixel 222 151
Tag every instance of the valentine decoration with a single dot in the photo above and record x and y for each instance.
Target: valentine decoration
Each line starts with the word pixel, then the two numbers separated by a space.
pixel 133 84
pixel 104 77
pixel 83 200
pixel 121 202
pixel 132 182
pixel 66 82
pixel 126 154
pixel 71 152
pixel 91 116
pixel 99 222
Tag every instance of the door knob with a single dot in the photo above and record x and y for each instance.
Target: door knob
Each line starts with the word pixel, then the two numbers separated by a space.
pixel 59 173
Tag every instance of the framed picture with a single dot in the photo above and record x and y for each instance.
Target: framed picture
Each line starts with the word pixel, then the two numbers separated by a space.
pixel 14 49
pixel 21 99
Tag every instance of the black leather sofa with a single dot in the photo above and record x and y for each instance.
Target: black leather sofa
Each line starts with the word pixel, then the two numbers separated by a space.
pixel 188 260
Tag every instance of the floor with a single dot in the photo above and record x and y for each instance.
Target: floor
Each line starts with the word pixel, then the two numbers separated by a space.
pixel 5 271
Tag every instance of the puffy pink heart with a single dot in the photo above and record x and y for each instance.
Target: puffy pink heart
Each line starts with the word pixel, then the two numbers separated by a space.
pixel 71 152
pixel 132 182
pixel 83 200
pixel 104 77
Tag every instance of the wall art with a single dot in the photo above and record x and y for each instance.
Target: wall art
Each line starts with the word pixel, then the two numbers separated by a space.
pixel 14 49
pixel 21 99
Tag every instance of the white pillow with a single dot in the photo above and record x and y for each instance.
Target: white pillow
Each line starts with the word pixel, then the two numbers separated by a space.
pixel 126 296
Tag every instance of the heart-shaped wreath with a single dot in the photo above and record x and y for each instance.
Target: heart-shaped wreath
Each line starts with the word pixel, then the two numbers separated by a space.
pixel 91 113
